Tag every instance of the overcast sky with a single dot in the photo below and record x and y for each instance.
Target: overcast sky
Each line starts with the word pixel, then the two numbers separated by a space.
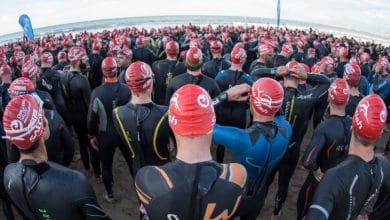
pixel 364 15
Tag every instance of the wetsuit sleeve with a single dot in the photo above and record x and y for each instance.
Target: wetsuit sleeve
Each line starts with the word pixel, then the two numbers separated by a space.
pixel 230 137
pixel 85 91
pixel 93 116
pixel 325 196
pixel 88 203
pixel 320 82
pixel 67 144
pixel 309 158
pixel 379 87
pixel 258 73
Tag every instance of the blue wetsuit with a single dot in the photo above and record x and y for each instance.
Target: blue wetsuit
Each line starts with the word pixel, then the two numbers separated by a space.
pixel 259 148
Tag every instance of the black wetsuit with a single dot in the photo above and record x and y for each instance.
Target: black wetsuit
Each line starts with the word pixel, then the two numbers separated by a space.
pixel 256 64
pixel 297 105
pixel 366 70
pixel 145 55
pixel 95 74
pixel 145 132
pixel 231 113
pixel 310 61
pixel 350 188
pixel 50 191
pixel 164 71
pixel 352 104
pixel 280 60
pixel 50 81
pixel 60 145
pixel 207 83
pixel 340 69
pixel 60 66
pixel 77 95
pixel 46 98
pixel 299 57
pixel 178 190
pixel 104 99
pixel 214 66
pixel 327 148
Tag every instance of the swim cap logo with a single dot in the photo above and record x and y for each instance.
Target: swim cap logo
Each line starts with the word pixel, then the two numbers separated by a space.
pixel 175 102
pixel 203 101
pixel 383 116
pixel 197 55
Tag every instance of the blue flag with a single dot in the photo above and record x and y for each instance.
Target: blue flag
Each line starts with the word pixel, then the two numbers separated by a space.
pixel 25 23
pixel 278 11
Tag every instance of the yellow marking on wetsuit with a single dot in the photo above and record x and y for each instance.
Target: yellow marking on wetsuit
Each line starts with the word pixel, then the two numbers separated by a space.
pixel 237 174
pixel 224 172
pixel 142 192
pixel 166 177
pixel 155 136
pixel 293 123
pixel 124 132
pixel 291 109
pixel 223 215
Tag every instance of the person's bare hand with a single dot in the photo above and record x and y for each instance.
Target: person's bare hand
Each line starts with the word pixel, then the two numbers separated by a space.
pixel 322 67
pixel 282 71
pixel 238 92
pixel 318 174
pixel 94 143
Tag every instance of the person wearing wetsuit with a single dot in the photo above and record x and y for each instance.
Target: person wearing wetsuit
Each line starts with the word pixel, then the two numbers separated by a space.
pixel 193 76
pixel 77 95
pixel 143 52
pixel 328 146
pixel 217 64
pixel 50 82
pixel 353 74
pixel 39 188
pixel 299 56
pixel 124 58
pixel 60 144
pixel 232 113
pixel 193 186
pixel 265 52
pixel 350 189
pixel 296 107
pixel 101 130
pixel 284 56
pixel 310 59
pixel 95 62
pixel 165 70
pixel 62 62
pixel 142 124
pixel 261 146
pixel 342 53
pixel 365 64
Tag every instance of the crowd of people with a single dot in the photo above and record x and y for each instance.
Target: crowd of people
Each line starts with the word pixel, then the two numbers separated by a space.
pixel 165 97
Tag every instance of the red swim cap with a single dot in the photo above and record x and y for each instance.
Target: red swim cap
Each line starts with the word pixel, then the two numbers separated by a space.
pixel 343 52
pixel 5 70
pixel 21 86
pixel 76 54
pixel 352 74
pixel 62 55
pixel 265 49
pixel 338 92
pixel 172 48
pixel 238 56
pixel 266 96
pixel 23 121
pixel 287 48
pixel 216 46
pixel 109 66
pixel 30 70
pixel 138 77
pixel 316 68
pixel 369 118
pixel 191 111
pixel 327 60
pixel 194 57
pixel 47 58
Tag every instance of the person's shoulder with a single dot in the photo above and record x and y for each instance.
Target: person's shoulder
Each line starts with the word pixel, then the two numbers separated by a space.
pixel 75 175
pixel 152 181
pixel 234 173
pixel 162 108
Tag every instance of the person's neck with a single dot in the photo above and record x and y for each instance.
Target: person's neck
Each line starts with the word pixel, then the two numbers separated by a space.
pixel 6 79
pixel 110 79
pixel 262 118
pixel 354 91
pixel 173 58
pixel 39 155
pixel 61 61
pixel 359 150
pixel 343 59
pixel 139 99
pixel 95 52
pixel 292 83
pixel 261 60
pixel 194 73
pixel 216 56
pixel 337 110
pixel 193 150
pixel 45 66
pixel 74 69
pixel 284 54
pixel 236 67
